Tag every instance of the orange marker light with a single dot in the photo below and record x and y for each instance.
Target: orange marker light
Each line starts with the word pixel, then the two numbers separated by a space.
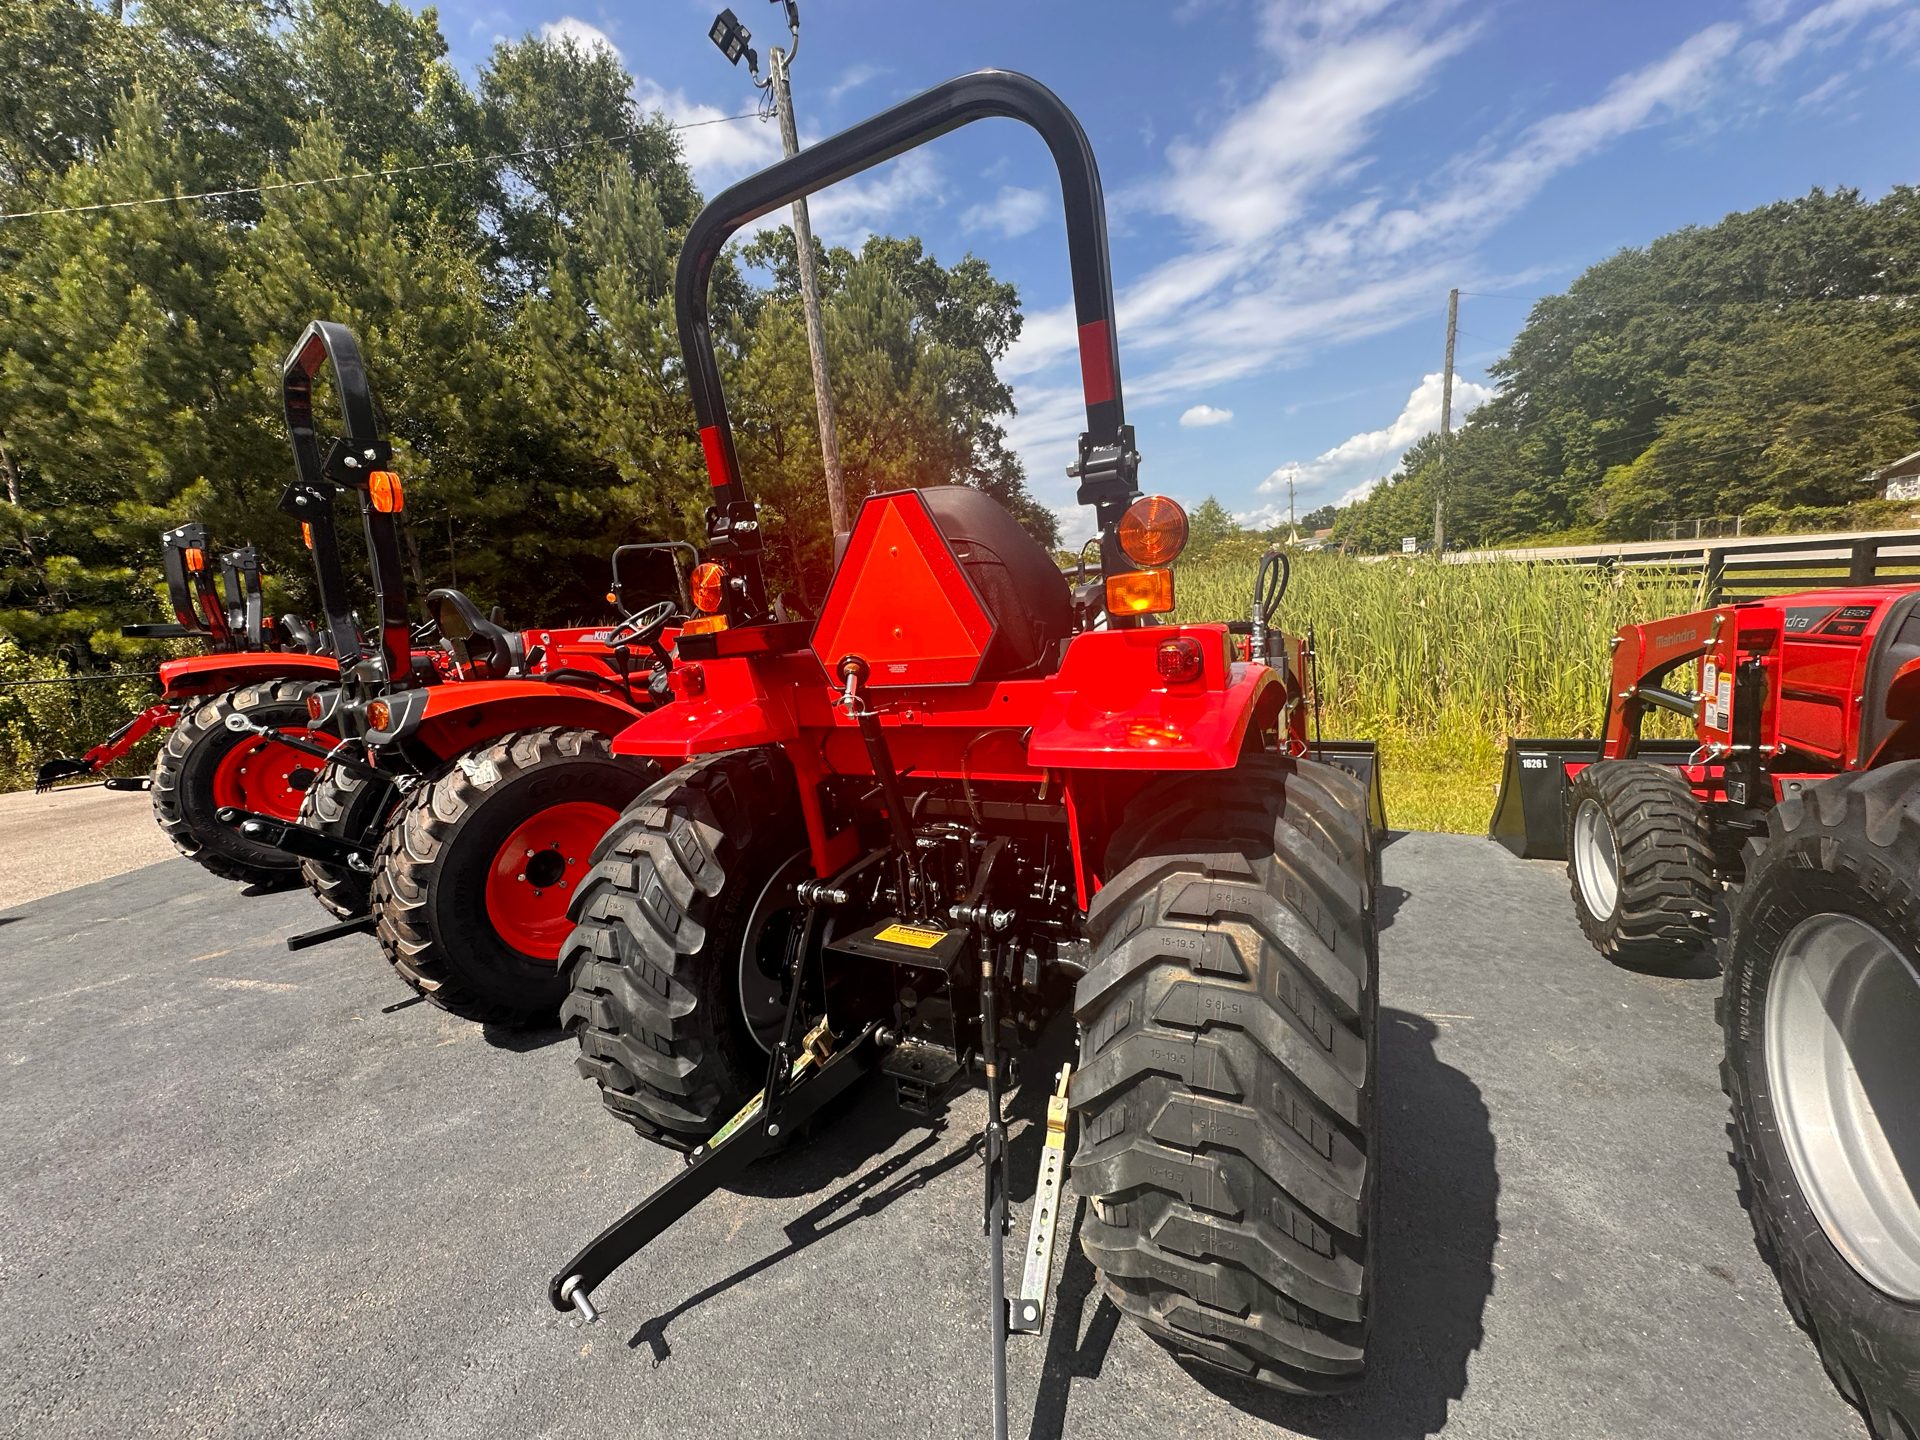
pixel 196 560
pixel 1153 531
pixel 612 599
pixel 704 625
pixel 709 585
pixel 1140 592
pixel 390 499
pixel 314 706
pixel 378 715
pixel 306 533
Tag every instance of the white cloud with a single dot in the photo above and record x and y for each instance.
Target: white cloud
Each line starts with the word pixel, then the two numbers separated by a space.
pixel 854 209
pixel 1012 212
pixel 1821 27
pixel 587 37
pixel 1360 461
pixel 854 79
pixel 720 150
pixel 1205 415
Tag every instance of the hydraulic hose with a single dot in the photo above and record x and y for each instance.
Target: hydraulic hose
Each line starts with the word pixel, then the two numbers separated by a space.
pixel 1269 585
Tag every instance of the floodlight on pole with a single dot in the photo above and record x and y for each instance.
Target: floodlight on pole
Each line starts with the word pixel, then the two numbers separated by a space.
pixel 734 40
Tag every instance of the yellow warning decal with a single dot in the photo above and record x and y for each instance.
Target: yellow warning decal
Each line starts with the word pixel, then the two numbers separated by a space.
pixel 912 935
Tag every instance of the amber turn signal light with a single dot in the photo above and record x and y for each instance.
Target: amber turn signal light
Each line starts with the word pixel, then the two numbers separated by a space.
pixel 306 533
pixel 1140 592
pixel 612 599
pixel 1153 531
pixel 1178 660
pixel 704 625
pixel 196 560
pixel 378 715
pixel 388 497
pixel 709 585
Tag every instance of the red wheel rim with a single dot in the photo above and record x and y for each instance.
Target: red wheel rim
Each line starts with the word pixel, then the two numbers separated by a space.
pixel 259 775
pixel 535 873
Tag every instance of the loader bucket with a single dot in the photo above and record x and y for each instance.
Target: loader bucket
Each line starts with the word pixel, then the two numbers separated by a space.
pixel 1360 759
pixel 1530 815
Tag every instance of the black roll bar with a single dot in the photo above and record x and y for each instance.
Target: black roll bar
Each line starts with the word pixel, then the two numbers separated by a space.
pixel 349 464
pixel 1107 463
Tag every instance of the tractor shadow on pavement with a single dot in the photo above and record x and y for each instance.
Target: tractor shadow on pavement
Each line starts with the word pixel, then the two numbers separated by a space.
pixel 1439 1221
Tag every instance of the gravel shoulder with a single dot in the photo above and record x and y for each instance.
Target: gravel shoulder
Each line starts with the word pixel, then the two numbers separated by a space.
pixel 246 1192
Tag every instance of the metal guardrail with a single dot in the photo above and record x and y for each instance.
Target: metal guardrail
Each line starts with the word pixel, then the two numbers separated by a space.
pixel 1749 568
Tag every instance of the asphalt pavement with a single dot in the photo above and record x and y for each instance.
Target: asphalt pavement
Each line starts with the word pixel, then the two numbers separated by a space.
pixel 251 1192
pixel 70 836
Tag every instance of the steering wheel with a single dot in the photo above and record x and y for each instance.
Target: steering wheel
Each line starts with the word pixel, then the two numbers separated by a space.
pixel 643 628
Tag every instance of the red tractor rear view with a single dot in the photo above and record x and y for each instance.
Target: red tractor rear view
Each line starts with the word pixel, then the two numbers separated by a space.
pixel 1800 794
pixel 968 799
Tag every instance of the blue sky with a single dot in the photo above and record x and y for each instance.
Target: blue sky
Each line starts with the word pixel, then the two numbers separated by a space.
pixel 1292 188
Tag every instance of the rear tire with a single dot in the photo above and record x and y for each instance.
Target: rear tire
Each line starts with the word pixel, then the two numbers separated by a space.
pixel 653 962
pixel 186 779
pixel 1229 1140
pixel 1640 863
pixel 1821 1013
pixel 477 941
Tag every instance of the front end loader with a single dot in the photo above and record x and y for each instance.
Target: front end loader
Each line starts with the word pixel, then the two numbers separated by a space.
pixel 906 838
pixel 1796 807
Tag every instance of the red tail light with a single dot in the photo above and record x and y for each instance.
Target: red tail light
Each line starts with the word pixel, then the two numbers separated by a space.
pixel 314 707
pixel 1179 660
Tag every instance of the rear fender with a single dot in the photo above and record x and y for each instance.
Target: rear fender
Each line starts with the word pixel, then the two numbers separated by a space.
pixel 1109 709
pixel 202 675
pixel 726 704
pixel 447 719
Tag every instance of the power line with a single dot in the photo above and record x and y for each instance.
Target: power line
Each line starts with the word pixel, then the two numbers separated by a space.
pixel 358 175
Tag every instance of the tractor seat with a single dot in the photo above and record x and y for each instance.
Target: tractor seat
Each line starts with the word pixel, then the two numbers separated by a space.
pixel 1022 588
pixel 484 650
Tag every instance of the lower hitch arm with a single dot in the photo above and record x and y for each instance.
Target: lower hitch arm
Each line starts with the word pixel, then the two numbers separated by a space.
pixel 816 1079
pixel 302 840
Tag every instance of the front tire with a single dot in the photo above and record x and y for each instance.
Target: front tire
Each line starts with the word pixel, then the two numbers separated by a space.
pixel 1821 1014
pixel 1229 1137
pixel 473 877
pixel 1640 863
pixel 204 767
pixel 655 958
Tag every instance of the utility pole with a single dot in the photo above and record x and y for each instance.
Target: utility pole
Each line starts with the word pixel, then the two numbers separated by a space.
pixel 731 37
pixel 1446 425
pixel 1290 523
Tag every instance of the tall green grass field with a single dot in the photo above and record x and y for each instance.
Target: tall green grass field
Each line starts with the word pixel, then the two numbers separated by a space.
pixel 1441 664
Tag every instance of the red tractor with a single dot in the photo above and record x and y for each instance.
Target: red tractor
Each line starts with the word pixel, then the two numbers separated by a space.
pixel 1800 793
pixel 248 670
pixel 455 816
pixel 908 836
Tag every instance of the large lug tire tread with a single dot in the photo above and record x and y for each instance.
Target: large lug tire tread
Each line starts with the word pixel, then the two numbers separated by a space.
pixel 1669 886
pixel 182 793
pixel 342 803
pixel 1850 844
pixel 1226 1094
pixel 652 999
pixel 432 926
